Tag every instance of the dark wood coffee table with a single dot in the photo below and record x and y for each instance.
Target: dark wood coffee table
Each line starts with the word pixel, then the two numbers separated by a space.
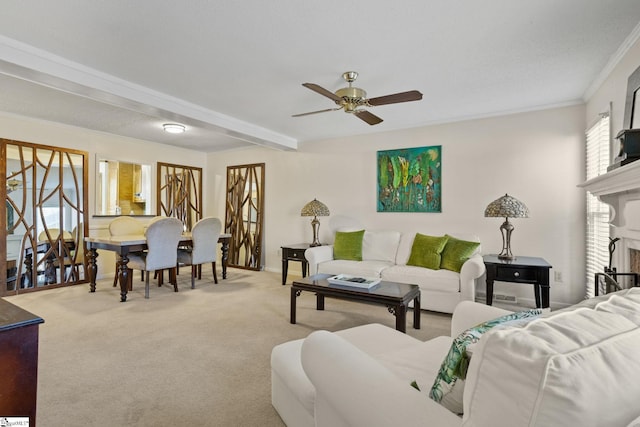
pixel 396 296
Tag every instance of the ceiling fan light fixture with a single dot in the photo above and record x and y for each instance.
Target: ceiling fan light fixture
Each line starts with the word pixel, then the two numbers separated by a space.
pixel 173 128
pixel 350 98
pixel 351 92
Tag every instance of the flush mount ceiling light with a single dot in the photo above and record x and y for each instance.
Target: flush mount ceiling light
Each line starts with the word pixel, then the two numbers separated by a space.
pixel 173 128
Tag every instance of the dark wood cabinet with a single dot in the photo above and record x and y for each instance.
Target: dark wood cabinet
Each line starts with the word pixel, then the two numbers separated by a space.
pixel 18 362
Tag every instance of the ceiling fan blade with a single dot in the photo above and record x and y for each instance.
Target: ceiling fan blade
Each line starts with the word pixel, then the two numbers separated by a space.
pixel 412 95
pixel 322 91
pixel 316 112
pixel 368 117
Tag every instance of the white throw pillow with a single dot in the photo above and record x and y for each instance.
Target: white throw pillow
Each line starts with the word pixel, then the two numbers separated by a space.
pixel 448 388
pixel 380 245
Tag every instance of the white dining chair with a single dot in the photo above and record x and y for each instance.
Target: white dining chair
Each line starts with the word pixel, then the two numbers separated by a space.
pixel 125 226
pixel 204 236
pixel 54 233
pixel 163 236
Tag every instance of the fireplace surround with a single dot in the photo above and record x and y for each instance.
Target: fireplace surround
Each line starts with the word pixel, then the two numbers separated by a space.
pixel 620 189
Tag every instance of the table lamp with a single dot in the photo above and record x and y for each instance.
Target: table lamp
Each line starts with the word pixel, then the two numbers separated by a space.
pixel 507 207
pixel 315 209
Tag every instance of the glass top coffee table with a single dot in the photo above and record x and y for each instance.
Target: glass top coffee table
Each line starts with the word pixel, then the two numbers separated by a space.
pixel 396 296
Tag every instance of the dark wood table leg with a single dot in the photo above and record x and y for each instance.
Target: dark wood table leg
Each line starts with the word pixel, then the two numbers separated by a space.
pixel 489 289
pixel 123 276
pixel 93 268
pixel 544 296
pixel 319 302
pixel 50 276
pixel 305 267
pixel 294 295
pixel 536 291
pixel 401 318
pixel 285 270
pixel 543 280
pixel 225 257
pixel 416 312
pixel 28 280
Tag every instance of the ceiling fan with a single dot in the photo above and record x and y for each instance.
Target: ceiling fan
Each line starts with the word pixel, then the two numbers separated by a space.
pixel 352 99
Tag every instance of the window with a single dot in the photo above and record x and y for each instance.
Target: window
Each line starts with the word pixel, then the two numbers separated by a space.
pixel 597 238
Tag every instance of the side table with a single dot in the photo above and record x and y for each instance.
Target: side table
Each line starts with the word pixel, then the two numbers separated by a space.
pixel 523 269
pixel 294 252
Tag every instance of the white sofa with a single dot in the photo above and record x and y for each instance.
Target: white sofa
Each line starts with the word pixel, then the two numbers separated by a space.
pixel 385 255
pixel 575 367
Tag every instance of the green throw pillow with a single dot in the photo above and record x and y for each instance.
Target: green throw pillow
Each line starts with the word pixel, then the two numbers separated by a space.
pixel 456 252
pixel 426 251
pixel 455 364
pixel 348 245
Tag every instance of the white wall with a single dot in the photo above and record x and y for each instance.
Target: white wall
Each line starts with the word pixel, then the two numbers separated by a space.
pixel 535 156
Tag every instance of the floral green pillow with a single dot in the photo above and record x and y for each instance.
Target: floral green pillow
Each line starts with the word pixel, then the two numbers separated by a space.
pixel 348 245
pixel 453 371
pixel 426 251
pixel 456 252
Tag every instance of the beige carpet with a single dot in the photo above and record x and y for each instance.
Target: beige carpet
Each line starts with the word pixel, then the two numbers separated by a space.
pixel 195 358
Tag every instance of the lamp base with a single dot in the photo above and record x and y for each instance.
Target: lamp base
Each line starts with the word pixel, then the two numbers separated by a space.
pixel 506 229
pixel 315 224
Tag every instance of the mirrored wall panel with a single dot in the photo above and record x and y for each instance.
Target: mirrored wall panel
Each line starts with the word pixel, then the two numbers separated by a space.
pixel 46 216
pixel 122 188
pixel 180 193
pixel 244 216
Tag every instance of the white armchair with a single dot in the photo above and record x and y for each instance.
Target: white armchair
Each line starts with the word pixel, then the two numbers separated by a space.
pixel 367 368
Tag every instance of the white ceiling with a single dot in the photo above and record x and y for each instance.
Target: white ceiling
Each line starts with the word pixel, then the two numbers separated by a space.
pixel 232 71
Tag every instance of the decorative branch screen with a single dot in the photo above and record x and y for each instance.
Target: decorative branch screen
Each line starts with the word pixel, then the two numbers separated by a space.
pixel 244 216
pixel 180 193
pixel 46 216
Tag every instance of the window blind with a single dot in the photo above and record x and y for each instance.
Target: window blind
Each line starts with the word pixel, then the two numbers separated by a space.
pixel 597 233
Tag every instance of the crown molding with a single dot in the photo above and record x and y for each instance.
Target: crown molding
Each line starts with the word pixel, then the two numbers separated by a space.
pixel 615 59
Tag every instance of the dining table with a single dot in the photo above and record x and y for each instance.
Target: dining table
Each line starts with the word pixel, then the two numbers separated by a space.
pixel 124 245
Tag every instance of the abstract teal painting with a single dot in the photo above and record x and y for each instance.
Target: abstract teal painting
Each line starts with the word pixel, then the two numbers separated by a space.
pixel 410 180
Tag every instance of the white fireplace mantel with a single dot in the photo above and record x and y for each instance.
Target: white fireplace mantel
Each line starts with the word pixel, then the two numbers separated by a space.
pixel 621 180
pixel 620 189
